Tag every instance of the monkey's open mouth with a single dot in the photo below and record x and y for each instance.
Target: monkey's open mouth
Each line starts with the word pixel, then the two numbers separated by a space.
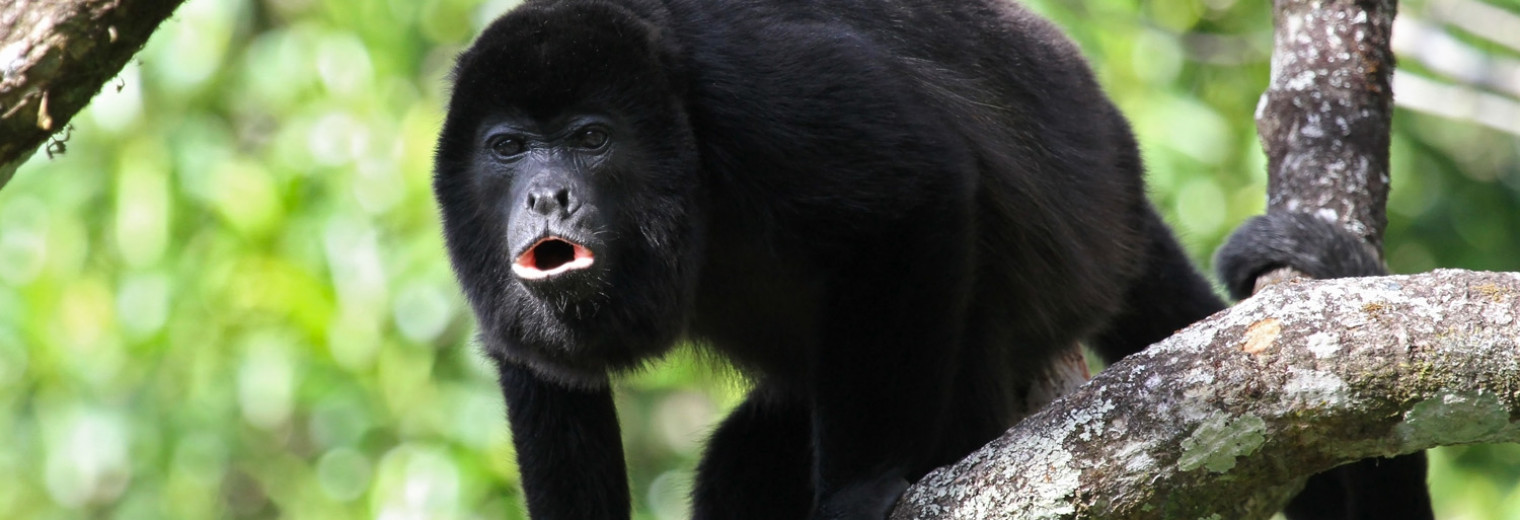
pixel 551 256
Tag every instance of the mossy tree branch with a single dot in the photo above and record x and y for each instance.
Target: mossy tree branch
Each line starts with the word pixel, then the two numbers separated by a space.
pixel 1222 419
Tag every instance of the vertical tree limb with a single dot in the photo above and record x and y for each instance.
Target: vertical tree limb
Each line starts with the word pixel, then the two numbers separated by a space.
pixel 1324 120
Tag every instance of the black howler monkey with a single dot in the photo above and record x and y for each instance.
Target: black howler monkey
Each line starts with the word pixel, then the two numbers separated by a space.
pixel 888 214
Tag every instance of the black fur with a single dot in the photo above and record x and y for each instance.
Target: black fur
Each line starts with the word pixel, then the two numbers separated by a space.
pixel 889 215
pixel 1313 246
pixel 1372 489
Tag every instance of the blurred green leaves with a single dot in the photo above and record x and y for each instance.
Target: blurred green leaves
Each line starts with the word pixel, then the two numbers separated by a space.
pixel 229 298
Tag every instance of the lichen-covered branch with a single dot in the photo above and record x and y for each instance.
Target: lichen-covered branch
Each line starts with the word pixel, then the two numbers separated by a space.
pixel 54 57
pixel 1215 421
pixel 1324 120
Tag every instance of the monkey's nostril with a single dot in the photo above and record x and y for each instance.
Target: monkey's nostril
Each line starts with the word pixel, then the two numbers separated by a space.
pixel 550 201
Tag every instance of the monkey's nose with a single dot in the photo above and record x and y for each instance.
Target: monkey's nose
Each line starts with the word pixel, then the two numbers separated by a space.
pixel 551 201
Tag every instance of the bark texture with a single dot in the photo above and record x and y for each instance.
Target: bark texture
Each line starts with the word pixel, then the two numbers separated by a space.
pixel 54 57
pixel 1324 120
pixel 1205 423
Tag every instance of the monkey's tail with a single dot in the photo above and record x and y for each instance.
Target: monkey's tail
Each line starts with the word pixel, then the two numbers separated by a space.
pixel 1309 244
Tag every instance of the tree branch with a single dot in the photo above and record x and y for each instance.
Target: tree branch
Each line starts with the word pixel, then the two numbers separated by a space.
pixel 54 57
pixel 1324 119
pixel 1295 380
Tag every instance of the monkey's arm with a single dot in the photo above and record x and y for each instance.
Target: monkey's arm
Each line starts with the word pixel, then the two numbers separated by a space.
pixel 569 450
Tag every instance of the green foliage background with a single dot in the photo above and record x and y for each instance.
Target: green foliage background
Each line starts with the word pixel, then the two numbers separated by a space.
pixel 225 296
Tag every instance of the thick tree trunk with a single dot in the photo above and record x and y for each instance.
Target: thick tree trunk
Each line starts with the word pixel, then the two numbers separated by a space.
pixel 54 57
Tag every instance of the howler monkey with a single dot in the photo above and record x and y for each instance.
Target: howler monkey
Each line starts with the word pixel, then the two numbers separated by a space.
pixel 888 214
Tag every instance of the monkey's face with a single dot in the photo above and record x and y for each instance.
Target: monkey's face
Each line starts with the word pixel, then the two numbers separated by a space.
pixel 547 183
pixel 567 177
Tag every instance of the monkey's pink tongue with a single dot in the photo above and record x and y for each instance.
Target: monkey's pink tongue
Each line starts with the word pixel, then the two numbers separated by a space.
pixel 551 256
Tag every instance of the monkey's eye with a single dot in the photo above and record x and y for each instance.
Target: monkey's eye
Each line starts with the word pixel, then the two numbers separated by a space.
pixel 508 146
pixel 590 138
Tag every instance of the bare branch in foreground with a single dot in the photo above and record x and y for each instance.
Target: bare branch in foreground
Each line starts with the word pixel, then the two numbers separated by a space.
pixel 1222 419
pixel 55 55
